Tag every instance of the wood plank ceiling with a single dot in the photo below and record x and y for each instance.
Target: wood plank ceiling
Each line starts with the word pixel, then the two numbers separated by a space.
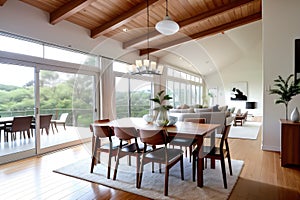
pixel 109 18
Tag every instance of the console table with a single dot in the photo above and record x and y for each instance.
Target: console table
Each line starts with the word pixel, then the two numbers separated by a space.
pixel 290 143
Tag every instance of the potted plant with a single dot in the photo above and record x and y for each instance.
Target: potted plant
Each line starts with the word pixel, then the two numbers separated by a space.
pixel 286 90
pixel 162 116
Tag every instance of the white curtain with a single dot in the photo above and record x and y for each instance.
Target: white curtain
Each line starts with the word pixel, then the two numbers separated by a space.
pixel 107 81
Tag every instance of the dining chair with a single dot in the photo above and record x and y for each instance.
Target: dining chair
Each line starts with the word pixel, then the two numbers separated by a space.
pixel 187 143
pixel 45 121
pixel 62 120
pixel 162 155
pixel 103 132
pixel 2 128
pixel 216 153
pixel 128 149
pixel 239 119
pixel 97 121
pixel 19 124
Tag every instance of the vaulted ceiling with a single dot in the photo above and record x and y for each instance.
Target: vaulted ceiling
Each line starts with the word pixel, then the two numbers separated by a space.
pixel 126 20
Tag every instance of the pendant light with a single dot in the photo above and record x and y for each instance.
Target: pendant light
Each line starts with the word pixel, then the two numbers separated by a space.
pixel 167 26
pixel 146 66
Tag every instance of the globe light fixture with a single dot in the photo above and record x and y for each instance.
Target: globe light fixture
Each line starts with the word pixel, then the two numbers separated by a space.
pixel 167 26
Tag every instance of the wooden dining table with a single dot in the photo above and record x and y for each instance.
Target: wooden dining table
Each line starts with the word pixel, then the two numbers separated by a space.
pixel 180 130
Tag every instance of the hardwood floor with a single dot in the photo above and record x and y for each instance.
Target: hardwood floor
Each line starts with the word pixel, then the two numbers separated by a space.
pixel 262 176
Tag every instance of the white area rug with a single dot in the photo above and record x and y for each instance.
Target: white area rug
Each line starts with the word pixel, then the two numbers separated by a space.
pixel 249 130
pixel 153 183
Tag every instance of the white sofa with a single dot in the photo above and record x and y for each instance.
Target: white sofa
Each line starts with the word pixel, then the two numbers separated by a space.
pixel 211 117
pixel 212 114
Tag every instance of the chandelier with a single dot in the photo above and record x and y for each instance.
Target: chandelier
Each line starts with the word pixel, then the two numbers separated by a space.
pixel 167 26
pixel 146 66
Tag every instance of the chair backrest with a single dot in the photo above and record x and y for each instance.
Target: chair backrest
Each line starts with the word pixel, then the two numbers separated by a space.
pixel 21 123
pixel 102 131
pixel 245 115
pixel 125 133
pixel 98 121
pixel 101 121
pixel 63 117
pixel 45 121
pixel 225 135
pixel 153 137
pixel 196 120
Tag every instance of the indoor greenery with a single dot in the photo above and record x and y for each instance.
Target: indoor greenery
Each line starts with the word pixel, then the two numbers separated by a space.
pixel 286 90
pixel 162 117
pixel 161 99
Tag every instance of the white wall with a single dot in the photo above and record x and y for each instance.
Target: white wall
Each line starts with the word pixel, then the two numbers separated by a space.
pixel 237 56
pixel 247 68
pixel 280 28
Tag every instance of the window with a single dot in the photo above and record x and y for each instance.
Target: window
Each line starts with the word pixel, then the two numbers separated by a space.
pixel 184 88
pixel 132 92
pixel 65 55
pixel 25 46
pixel 15 45
pixel 132 97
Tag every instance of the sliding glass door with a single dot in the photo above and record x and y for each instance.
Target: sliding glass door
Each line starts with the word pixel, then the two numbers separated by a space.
pixel 69 98
pixel 16 99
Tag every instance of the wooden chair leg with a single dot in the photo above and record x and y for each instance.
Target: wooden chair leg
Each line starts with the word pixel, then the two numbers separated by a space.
pixel 117 164
pixel 97 143
pixel 212 163
pixel 141 172
pixel 194 167
pixel 138 162
pixel 190 152
pixel 109 164
pixel 224 172
pixel 166 181
pixel 181 168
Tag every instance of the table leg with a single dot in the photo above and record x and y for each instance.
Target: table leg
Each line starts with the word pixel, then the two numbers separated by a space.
pixel 212 145
pixel 199 163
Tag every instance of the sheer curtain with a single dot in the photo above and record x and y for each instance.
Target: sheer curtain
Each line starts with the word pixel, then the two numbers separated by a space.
pixel 107 89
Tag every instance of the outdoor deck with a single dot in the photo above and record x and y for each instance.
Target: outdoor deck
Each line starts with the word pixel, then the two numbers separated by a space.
pixel 62 136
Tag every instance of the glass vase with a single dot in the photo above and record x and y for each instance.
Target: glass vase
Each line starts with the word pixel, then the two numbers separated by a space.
pixel 162 118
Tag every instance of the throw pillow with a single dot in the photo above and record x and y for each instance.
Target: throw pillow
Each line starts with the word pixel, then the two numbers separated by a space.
pixel 215 108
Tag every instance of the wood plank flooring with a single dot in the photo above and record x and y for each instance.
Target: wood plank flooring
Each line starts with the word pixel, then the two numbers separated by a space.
pixel 261 178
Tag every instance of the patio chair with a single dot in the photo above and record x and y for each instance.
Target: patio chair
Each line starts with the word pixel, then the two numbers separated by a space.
pixel 2 128
pixel 62 120
pixel 19 124
pixel 45 121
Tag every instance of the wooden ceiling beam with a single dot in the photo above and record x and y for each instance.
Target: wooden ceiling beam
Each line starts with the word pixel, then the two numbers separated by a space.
pixel 2 2
pixel 122 19
pixel 188 21
pixel 68 10
pixel 215 30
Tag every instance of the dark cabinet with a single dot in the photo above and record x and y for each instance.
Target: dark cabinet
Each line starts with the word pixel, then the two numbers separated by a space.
pixel 290 143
